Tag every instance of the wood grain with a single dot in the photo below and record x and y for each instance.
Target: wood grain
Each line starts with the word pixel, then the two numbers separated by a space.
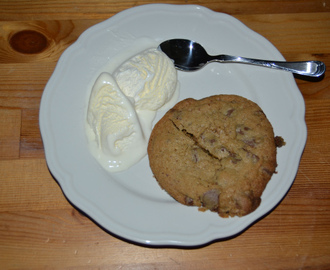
pixel 56 232
pixel 9 133
pixel 29 186
pixel 40 229
pixel 59 34
pixel 97 9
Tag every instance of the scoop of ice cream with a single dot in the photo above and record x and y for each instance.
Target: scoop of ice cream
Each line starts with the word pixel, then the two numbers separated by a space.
pixel 116 126
pixel 149 78
pixel 122 107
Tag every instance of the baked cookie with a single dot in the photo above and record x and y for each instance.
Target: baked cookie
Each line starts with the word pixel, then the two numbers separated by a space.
pixel 217 153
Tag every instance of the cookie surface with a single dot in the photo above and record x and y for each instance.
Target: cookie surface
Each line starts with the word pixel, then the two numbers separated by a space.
pixel 217 153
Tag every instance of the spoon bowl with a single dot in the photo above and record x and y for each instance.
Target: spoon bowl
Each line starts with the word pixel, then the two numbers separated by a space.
pixel 189 55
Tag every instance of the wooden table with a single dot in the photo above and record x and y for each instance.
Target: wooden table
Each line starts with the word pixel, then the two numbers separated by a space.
pixel 39 229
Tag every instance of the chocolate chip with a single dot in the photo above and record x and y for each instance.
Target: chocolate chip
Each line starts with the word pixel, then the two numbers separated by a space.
pixel 188 201
pixel 212 141
pixel 239 131
pixel 224 150
pixel 252 156
pixel 235 158
pixel 250 142
pixel 229 112
pixel 195 155
pixel 210 199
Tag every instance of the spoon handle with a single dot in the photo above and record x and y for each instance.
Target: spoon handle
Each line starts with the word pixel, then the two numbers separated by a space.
pixel 304 68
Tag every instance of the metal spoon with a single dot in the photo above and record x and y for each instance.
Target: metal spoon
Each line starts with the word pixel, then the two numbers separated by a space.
pixel 190 56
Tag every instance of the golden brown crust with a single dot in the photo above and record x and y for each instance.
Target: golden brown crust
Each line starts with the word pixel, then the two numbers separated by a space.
pixel 217 153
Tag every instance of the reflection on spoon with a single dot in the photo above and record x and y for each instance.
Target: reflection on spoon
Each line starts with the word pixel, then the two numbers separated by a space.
pixel 191 56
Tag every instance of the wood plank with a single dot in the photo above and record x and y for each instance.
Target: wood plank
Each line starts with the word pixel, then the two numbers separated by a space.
pixel 74 241
pixel 21 85
pixel 61 34
pixel 315 162
pixel 10 127
pixel 285 31
pixel 97 9
pixel 26 184
pixel 317 90
pixel 31 145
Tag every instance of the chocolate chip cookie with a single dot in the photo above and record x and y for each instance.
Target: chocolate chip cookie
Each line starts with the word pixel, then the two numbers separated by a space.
pixel 217 153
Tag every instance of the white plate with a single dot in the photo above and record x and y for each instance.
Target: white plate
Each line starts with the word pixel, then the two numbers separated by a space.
pixel 130 204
